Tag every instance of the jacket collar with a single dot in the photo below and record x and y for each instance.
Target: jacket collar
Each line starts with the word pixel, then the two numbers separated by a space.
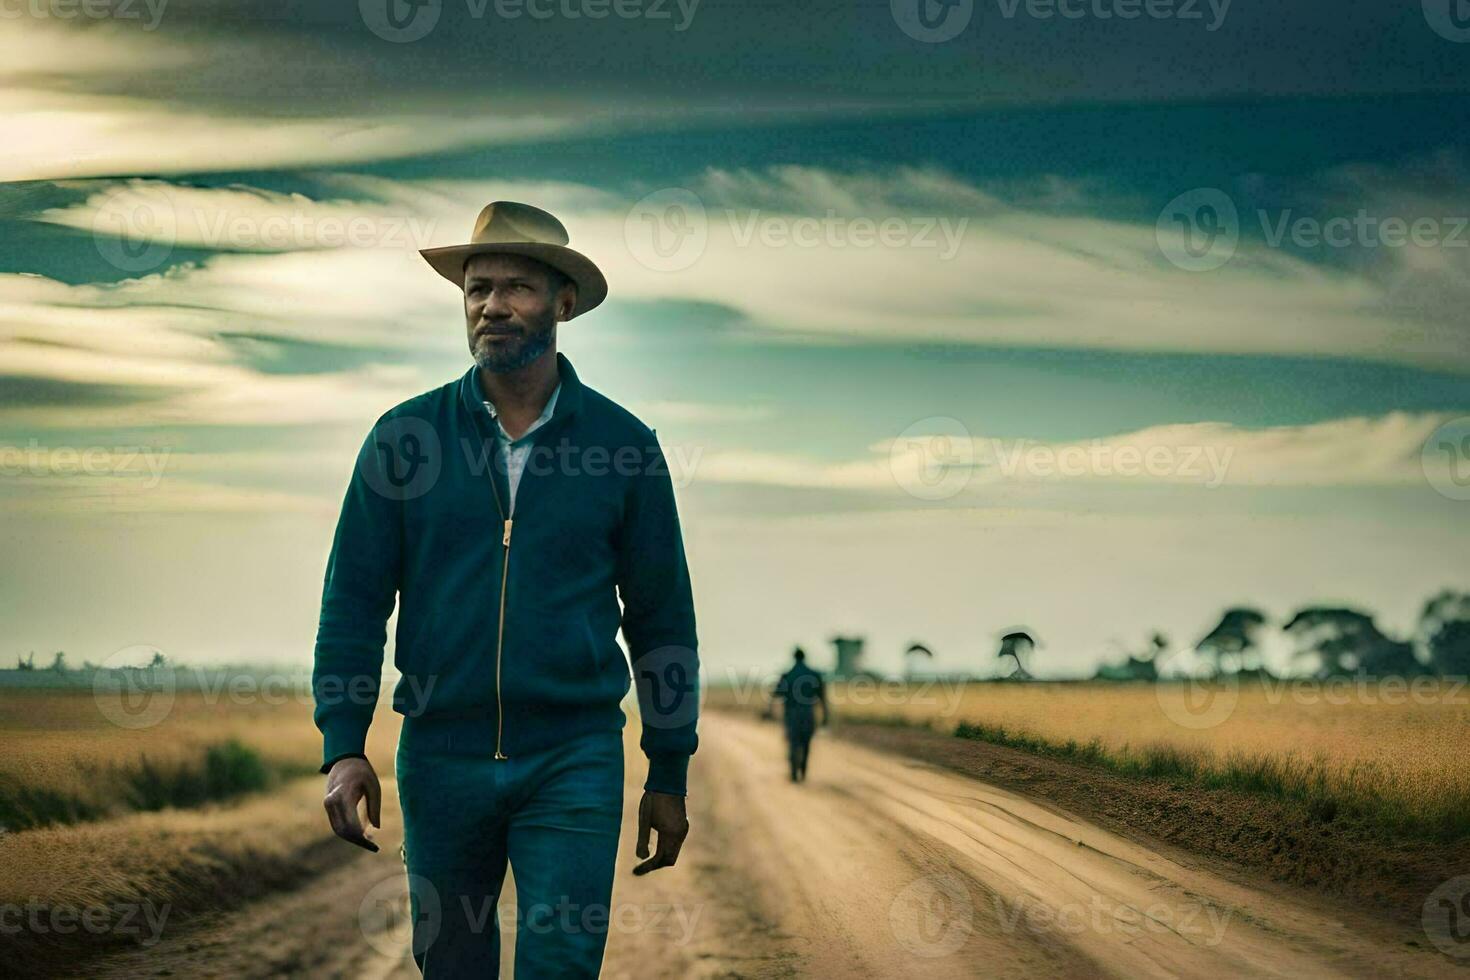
pixel 568 398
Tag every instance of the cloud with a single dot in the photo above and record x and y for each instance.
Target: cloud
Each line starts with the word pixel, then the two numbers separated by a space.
pixel 54 135
pixel 124 496
pixel 1348 452
pixel 944 464
pixel 803 254
pixel 46 478
pixel 179 335
pixel 344 270
pixel 164 345
pixel 1338 452
pixel 190 86
pixel 116 99
pixel 162 474
pixel 205 92
pixel 236 218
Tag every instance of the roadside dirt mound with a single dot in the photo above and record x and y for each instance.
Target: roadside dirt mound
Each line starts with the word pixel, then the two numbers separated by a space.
pixel 1254 833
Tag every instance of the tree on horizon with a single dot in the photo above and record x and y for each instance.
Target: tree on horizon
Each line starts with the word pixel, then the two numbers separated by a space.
pixel 1234 638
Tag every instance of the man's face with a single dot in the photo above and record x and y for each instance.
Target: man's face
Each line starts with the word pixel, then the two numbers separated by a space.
pixel 510 310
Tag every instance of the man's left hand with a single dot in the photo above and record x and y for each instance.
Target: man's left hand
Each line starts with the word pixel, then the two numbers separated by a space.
pixel 664 813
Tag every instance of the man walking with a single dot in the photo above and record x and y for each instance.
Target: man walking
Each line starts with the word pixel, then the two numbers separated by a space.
pixel 506 512
pixel 800 690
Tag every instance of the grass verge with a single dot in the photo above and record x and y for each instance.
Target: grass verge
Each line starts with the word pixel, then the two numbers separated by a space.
pixel 223 771
pixel 78 891
pixel 1326 793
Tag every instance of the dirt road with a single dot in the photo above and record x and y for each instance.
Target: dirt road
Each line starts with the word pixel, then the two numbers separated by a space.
pixel 875 866
pixel 886 867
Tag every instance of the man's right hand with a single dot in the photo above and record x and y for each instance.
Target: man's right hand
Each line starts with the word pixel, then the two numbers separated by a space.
pixel 348 782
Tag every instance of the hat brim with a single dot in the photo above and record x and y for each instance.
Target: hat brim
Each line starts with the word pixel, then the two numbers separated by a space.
pixel 591 285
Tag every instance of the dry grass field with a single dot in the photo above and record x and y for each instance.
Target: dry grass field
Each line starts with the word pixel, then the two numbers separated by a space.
pixel 139 830
pixel 1393 755
pixel 138 827
pixel 66 762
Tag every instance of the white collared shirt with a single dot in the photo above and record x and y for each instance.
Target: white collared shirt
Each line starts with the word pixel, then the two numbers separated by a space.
pixel 516 451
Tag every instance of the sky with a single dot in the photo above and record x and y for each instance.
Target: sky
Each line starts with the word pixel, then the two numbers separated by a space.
pixel 1093 316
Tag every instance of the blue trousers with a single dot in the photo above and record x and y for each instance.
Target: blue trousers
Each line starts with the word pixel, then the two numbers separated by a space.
pixel 553 815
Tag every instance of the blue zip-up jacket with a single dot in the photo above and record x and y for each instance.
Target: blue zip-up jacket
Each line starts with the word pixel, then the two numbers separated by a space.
pixel 510 617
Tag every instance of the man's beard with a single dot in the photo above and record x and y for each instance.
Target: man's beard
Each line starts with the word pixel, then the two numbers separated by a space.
pixel 500 357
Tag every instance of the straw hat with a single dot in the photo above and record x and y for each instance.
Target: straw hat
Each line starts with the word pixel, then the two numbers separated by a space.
pixel 512 228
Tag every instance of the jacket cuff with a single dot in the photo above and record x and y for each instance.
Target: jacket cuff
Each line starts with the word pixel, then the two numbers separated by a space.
pixel 327 767
pixel 343 736
pixel 668 773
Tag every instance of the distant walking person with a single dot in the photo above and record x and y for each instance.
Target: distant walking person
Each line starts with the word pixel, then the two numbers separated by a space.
pixel 800 690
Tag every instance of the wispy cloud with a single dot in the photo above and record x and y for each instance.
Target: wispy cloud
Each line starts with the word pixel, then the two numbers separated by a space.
pixel 114 100
pixel 962 267
pixel 345 271
pixel 1383 451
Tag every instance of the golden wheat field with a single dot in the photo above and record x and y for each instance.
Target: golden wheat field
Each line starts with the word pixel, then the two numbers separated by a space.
pixel 59 744
pixel 1397 750
pixel 216 800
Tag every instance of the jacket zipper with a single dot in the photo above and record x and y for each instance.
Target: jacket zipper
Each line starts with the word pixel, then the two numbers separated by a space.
pixel 500 625
pixel 500 638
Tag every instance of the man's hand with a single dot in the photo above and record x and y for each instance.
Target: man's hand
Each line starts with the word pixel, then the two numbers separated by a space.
pixel 349 781
pixel 664 813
